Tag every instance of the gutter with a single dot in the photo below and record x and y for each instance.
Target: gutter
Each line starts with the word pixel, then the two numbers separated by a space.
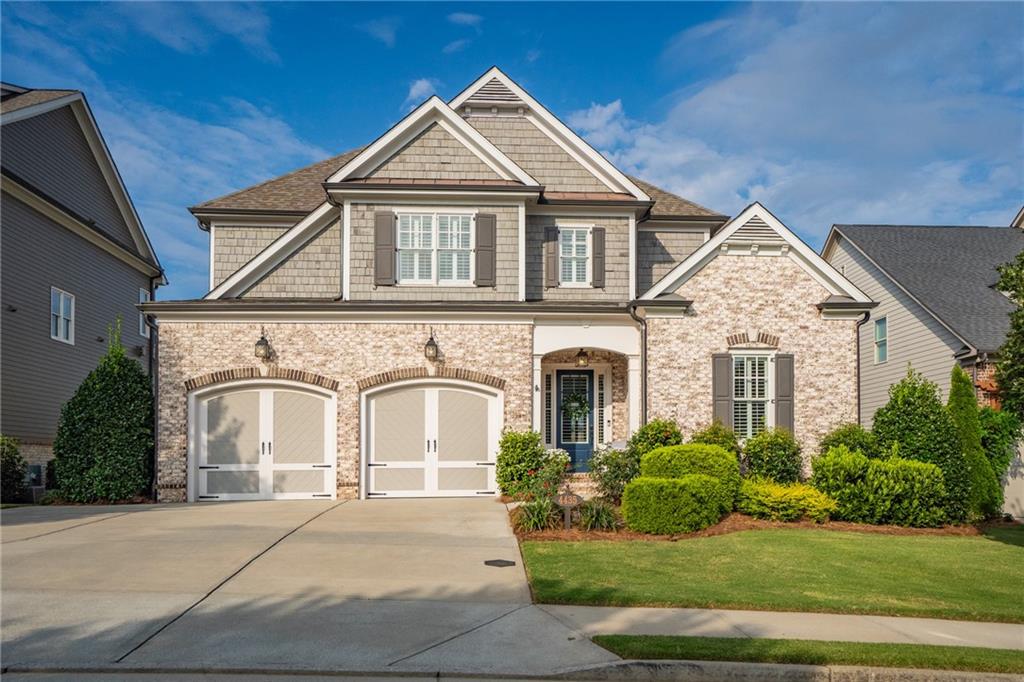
pixel 154 378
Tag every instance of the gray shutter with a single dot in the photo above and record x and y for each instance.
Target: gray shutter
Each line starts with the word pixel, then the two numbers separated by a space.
pixel 550 257
pixel 486 249
pixel 597 265
pixel 784 392
pixel 721 388
pixel 384 248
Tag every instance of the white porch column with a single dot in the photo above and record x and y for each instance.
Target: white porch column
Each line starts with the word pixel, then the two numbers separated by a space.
pixel 633 390
pixel 535 393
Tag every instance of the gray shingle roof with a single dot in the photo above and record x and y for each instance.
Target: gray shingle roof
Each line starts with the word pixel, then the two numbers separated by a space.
pixel 950 270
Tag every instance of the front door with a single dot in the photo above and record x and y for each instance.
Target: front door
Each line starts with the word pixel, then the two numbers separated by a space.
pixel 576 415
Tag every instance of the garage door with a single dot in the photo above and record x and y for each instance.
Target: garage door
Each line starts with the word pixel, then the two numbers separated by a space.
pixel 265 443
pixel 431 441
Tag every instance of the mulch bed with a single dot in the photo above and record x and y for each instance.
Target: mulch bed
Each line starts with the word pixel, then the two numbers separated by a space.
pixel 734 523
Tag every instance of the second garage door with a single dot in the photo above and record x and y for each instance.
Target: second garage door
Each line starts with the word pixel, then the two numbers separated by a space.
pixel 431 441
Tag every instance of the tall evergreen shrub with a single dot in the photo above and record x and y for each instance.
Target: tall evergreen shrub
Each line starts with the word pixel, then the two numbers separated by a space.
pixel 986 497
pixel 1010 366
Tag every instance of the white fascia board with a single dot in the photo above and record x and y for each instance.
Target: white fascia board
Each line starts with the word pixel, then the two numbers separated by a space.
pixel 558 131
pixel 434 110
pixel 812 263
pixel 275 253
pixel 357 194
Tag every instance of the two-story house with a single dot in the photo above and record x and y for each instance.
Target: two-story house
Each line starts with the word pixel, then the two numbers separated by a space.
pixel 74 258
pixel 376 320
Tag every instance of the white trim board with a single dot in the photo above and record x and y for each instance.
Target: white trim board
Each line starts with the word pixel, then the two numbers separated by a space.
pixel 432 111
pixel 816 266
pixel 577 147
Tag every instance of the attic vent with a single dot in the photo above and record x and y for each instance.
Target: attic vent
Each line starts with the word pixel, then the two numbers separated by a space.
pixel 494 92
pixel 755 231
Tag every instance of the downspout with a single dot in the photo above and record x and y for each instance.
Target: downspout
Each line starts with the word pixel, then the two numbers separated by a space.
pixel 860 323
pixel 154 338
pixel 631 308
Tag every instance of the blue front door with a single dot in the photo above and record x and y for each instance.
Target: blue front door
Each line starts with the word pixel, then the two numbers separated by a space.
pixel 575 428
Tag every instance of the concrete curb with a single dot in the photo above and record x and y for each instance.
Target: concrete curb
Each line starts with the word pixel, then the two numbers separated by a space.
pixel 724 671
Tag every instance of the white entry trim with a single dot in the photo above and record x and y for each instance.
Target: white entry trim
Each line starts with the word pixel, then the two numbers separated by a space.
pixel 195 427
pixel 495 416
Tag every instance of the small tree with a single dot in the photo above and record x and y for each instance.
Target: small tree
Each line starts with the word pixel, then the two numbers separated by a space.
pixel 12 471
pixel 104 442
pixel 986 495
pixel 717 433
pixel 773 454
pixel 918 424
pixel 1010 366
pixel 1000 431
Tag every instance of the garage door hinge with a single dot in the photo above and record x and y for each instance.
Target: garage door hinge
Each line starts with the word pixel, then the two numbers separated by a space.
pixel 209 497
pixel 485 492
pixel 201 466
pixel 376 494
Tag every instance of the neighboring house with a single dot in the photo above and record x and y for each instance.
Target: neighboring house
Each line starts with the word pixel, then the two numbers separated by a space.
pixel 376 319
pixel 937 305
pixel 74 258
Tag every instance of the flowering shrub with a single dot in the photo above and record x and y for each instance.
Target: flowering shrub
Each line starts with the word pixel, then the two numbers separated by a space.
pixel 612 469
pixel 545 480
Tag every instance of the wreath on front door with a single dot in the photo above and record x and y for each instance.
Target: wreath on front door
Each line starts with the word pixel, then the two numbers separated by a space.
pixel 575 406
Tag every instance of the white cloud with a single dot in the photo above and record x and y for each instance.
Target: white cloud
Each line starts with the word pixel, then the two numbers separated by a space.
pixel 914 117
pixel 385 30
pixel 419 90
pixel 532 56
pixel 466 19
pixel 455 46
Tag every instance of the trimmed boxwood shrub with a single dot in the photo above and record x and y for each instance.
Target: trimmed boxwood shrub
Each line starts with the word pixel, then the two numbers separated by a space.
pixel 676 461
pixel 882 491
pixel 717 433
pixel 765 499
pixel 612 469
pixel 674 505
pixel 654 434
pixel 773 454
pixel 916 425
pixel 12 471
pixel 104 441
pixel 854 436
pixel 986 498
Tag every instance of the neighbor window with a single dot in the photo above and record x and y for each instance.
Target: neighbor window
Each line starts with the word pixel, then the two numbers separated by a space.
pixel 750 394
pixel 435 248
pixel 62 316
pixel 881 340
pixel 573 251
pixel 144 297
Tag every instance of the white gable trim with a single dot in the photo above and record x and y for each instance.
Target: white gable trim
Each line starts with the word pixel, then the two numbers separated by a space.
pixel 430 112
pixel 564 136
pixel 816 266
pixel 93 136
pixel 272 256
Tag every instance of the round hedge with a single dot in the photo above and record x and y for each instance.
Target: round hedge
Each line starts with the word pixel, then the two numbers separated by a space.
pixel 774 454
pixel 676 461
pixel 674 505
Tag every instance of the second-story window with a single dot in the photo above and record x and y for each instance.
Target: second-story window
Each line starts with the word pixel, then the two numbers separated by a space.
pixel 881 340
pixel 574 256
pixel 62 316
pixel 435 248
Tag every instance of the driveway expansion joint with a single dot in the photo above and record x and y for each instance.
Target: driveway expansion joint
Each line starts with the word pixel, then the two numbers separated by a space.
pixel 61 530
pixel 465 632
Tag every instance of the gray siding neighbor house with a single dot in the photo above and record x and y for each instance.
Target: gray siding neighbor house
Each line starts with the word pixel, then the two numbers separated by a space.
pixel 75 257
pixel 937 305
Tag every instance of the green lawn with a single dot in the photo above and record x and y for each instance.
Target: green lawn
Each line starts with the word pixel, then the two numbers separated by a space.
pixel 815 653
pixel 966 578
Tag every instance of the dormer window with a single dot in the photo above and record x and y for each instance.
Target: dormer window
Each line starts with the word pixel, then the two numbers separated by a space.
pixel 435 248
pixel 574 256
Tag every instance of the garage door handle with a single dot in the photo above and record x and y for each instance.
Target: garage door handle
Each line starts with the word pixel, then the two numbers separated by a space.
pixel 428 445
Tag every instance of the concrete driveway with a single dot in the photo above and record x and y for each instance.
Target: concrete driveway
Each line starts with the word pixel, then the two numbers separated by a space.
pixel 382 585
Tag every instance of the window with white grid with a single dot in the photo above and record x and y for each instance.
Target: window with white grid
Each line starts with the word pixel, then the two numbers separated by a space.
pixel 435 248
pixel 454 236
pixel 750 394
pixel 416 248
pixel 574 255
pixel 62 316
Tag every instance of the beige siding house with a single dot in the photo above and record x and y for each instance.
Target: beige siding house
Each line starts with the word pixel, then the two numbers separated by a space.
pixel 480 267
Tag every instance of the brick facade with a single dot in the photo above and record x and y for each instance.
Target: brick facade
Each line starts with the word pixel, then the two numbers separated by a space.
pixel 747 298
pixel 350 354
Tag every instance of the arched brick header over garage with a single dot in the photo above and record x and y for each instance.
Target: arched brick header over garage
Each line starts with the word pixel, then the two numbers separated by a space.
pixel 238 373
pixel 406 373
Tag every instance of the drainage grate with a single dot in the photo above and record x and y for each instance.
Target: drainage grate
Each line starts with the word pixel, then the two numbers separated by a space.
pixel 499 563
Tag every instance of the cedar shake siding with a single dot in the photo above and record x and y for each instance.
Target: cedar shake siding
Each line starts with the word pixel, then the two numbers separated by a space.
pixel 616 270
pixel 313 271
pixel 506 259
pixel 233 247
pixel 51 154
pixel 39 373
pixel 537 154
pixel 660 251
pixel 914 335
pixel 435 155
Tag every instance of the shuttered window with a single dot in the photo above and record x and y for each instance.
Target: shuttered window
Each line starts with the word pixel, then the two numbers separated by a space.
pixel 574 256
pixel 751 396
pixel 435 248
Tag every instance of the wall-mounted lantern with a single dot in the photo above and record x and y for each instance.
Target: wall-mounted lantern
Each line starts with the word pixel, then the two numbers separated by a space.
pixel 263 346
pixel 430 348
pixel 582 359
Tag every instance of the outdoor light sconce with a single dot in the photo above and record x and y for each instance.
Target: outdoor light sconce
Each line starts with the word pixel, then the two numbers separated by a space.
pixel 263 346
pixel 430 348
pixel 582 359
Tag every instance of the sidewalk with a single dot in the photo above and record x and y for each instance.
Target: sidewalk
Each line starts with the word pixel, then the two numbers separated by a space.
pixel 611 620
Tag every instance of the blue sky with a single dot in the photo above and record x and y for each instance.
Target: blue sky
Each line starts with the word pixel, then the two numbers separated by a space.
pixel 825 113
